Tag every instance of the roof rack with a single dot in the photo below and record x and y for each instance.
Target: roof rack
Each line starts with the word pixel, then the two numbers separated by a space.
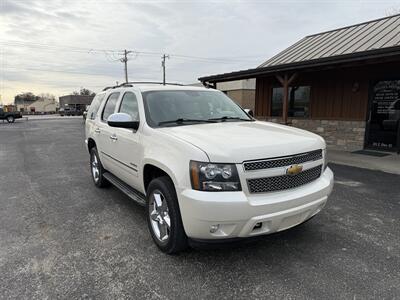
pixel 132 83
pixel 151 82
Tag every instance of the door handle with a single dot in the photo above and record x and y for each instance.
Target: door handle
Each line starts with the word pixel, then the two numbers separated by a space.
pixel 114 137
pixel 97 130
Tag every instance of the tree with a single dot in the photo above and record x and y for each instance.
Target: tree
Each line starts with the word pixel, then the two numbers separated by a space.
pixel 25 98
pixel 84 92
pixel 47 96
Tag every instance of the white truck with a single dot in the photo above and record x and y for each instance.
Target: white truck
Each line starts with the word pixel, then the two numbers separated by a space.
pixel 204 168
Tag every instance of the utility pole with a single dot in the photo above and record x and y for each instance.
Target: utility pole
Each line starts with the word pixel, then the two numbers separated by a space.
pixel 125 61
pixel 163 66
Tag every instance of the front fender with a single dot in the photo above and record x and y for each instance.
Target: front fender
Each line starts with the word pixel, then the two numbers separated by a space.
pixel 171 155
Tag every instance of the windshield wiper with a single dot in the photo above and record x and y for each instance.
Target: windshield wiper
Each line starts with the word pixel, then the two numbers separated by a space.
pixel 224 118
pixel 183 120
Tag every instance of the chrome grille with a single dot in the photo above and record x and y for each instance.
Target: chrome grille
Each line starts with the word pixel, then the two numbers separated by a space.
pixel 283 161
pixel 284 182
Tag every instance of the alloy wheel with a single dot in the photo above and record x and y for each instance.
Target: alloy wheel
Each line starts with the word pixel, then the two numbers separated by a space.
pixel 159 216
pixel 95 168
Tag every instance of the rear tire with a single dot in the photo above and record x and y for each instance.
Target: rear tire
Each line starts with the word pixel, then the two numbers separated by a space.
pixel 164 217
pixel 10 119
pixel 97 170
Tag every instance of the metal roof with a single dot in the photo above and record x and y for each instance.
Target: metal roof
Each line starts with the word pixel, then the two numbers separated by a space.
pixel 376 34
pixel 373 39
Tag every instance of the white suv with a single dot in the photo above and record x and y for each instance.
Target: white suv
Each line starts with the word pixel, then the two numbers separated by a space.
pixel 202 166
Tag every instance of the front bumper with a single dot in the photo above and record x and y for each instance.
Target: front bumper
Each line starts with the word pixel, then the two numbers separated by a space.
pixel 238 214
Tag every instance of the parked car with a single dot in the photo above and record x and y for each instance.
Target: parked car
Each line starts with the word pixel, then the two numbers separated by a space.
pixel 10 116
pixel 204 169
pixel 69 112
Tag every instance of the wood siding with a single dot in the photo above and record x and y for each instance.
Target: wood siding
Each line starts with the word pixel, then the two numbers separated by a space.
pixel 263 95
pixel 339 94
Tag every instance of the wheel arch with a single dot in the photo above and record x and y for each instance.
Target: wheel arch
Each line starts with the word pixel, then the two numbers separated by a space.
pixel 91 144
pixel 153 170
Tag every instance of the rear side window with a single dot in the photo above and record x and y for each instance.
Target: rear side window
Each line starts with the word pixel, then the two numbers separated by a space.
pixel 110 106
pixel 129 105
pixel 94 106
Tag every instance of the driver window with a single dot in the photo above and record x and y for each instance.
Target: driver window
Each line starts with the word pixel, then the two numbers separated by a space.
pixel 129 105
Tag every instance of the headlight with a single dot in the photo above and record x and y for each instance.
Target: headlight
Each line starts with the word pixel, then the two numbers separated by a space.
pixel 207 176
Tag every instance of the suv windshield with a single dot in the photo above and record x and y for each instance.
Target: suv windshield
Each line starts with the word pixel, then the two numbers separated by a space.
pixel 174 108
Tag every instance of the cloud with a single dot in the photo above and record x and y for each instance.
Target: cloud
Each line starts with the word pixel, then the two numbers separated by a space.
pixel 246 32
pixel 13 8
pixel 21 9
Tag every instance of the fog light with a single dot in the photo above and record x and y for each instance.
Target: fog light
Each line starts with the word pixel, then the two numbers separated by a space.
pixel 257 226
pixel 214 228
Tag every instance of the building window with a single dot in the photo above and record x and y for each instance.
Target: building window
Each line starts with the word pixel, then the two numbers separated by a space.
pixel 299 102
pixel 277 102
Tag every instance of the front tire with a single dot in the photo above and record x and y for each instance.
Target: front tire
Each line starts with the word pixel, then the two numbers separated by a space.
pixel 164 217
pixel 97 170
pixel 10 119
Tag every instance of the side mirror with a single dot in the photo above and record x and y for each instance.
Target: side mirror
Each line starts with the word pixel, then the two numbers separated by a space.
pixel 122 120
pixel 249 112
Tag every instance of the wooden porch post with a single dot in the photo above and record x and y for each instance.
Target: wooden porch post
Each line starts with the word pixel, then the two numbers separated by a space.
pixel 285 82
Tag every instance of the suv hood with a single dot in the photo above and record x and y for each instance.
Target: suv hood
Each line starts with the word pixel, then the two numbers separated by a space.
pixel 235 142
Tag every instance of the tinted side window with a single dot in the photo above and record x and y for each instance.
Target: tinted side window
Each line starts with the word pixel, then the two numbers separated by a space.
pixel 94 106
pixel 299 101
pixel 129 105
pixel 110 106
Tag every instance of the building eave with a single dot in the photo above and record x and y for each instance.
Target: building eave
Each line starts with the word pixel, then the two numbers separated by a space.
pixel 310 65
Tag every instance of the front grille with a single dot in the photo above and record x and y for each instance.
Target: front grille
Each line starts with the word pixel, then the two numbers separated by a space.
pixel 283 161
pixel 284 182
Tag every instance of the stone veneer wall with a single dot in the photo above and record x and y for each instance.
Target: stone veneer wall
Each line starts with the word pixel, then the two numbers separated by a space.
pixel 245 98
pixel 340 135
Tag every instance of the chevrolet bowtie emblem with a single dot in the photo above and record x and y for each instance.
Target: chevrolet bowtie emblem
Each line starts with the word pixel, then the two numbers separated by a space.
pixel 294 170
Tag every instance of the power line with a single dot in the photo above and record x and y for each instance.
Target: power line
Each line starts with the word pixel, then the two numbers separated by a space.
pixel 121 52
pixel 55 71
pixel 113 55
pixel 57 47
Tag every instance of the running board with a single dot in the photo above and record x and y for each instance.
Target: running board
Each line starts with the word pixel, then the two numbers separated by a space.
pixel 136 196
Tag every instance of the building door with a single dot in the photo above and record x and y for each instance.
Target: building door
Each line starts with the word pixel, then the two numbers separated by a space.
pixel 383 128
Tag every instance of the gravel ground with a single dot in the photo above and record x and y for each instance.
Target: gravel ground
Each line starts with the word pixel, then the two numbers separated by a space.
pixel 60 237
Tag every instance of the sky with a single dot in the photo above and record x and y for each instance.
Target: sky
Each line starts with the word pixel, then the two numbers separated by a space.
pixel 58 46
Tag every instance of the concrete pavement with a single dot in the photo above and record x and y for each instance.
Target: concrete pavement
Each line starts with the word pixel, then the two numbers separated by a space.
pixel 50 117
pixel 389 164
